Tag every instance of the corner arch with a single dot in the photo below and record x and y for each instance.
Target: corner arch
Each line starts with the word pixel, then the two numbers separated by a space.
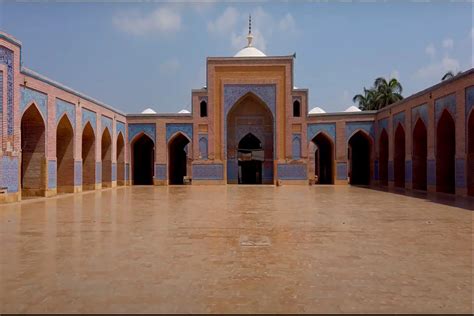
pixel 360 157
pixel 143 159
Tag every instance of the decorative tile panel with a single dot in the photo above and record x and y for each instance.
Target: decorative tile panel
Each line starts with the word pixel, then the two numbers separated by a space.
pixel 420 111
pixel 160 172
pixel 203 146
pixel 382 124
pixel 391 171
pixel 341 168
pixel 292 171
pixel 52 176
pixel 127 171
pixel 448 102
pixel 98 172
pixel 352 127
pixel 148 129
pixel 89 116
pixel 77 172
pixel 315 129
pixel 296 146
pixel 120 127
pixel 376 170
pixel 233 92
pixel 114 171
pixel 6 58
pixel 399 118
pixel 460 173
pixel 208 171
pixel 185 128
pixel 106 122
pixel 431 171
pixel 9 173
pixel 63 107
pixel 408 171
pixel 29 96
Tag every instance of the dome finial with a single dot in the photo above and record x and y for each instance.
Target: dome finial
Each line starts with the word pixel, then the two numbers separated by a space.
pixel 250 36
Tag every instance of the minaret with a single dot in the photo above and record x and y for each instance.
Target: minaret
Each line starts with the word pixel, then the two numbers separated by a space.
pixel 250 36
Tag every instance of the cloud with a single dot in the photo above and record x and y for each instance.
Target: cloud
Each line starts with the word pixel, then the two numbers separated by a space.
pixel 170 66
pixel 162 20
pixel 430 50
pixel 448 43
pixel 287 23
pixel 395 74
pixel 436 70
pixel 225 23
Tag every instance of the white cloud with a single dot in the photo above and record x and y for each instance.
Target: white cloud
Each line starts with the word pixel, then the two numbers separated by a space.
pixel 436 70
pixel 448 43
pixel 161 20
pixel 395 74
pixel 170 66
pixel 287 23
pixel 225 23
pixel 430 50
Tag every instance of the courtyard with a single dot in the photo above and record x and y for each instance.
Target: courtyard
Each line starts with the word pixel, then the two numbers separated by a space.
pixel 232 248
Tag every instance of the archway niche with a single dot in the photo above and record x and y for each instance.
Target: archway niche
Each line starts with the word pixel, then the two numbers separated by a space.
pixel 399 157
pixel 470 155
pixel 419 156
pixel 177 159
pixel 120 158
pixel 65 155
pixel 383 158
pixel 445 153
pixel 250 156
pixel 359 157
pixel 143 160
pixel 88 158
pixel 323 159
pixel 106 155
pixel 33 158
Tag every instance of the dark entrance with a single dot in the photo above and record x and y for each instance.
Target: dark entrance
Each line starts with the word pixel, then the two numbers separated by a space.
pixel 143 159
pixel 383 158
pixel 420 151
pixel 399 157
pixel 88 157
pixel 178 158
pixel 65 155
pixel 250 157
pixel 106 154
pixel 359 157
pixel 470 155
pixel 120 160
pixel 323 158
pixel 445 151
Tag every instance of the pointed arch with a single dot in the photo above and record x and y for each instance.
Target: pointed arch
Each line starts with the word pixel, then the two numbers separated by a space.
pixel 383 157
pixel 88 157
pixel 65 155
pixel 29 107
pixel 399 157
pixel 120 158
pixel 178 157
pixel 470 154
pixel 419 155
pixel 323 158
pixel 359 150
pixel 445 153
pixel 143 159
pixel 106 156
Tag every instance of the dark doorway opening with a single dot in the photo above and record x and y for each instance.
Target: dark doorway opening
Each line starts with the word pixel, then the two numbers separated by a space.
pixel 143 159
pixel 250 157
pixel 399 157
pixel 323 158
pixel 383 158
pixel 359 156
pixel 178 158
pixel 445 154
pixel 120 160
pixel 420 152
pixel 88 157
pixel 65 155
pixel 470 155
pixel 106 154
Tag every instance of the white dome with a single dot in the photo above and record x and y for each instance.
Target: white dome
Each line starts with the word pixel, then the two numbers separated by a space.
pixel 352 108
pixel 316 110
pixel 148 111
pixel 249 51
pixel 184 111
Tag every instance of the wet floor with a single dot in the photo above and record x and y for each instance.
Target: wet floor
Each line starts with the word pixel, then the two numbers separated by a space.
pixel 235 249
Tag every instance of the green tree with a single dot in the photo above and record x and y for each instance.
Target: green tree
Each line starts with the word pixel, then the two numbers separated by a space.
pixel 382 94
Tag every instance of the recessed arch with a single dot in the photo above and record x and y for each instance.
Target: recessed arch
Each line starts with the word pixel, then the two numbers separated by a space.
pixel 143 159
pixel 359 145
pixel 65 155
pixel 399 157
pixel 470 154
pixel 383 157
pixel 178 158
pixel 419 155
pixel 445 153
pixel 120 159
pixel 106 156
pixel 33 152
pixel 28 108
pixel 323 158
pixel 88 157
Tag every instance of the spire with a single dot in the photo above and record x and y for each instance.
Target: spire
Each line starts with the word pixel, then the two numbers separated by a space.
pixel 250 36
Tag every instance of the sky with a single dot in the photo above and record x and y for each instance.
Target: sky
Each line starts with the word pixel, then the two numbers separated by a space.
pixel 138 54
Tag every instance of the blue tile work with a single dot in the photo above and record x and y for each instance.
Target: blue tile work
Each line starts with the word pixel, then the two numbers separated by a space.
pixel 89 116
pixel 296 146
pixel 352 127
pixel 469 100
pixel 431 172
pixel 120 128
pixel 98 172
pixel 29 96
pixel 341 169
pixel 77 172
pixel 315 128
pixel 460 173
pixel 448 102
pixel 398 118
pixel 114 171
pixel 381 125
pixel 267 173
pixel 185 128
pixel 63 107
pixel 208 171
pixel 9 173
pixel 408 171
pixel 203 146
pixel 160 172
pixel 6 58
pixel 52 176
pixel 420 111
pixel 233 92
pixel 106 122
pixel 391 173
pixel 376 169
pixel 232 169
pixel 292 171
pixel 148 129
pixel 127 171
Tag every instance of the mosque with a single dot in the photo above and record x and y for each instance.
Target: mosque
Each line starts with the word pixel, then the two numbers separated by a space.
pixel 248 125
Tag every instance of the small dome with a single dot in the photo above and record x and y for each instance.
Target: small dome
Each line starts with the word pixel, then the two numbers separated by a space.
pixel 148 111
pixel 352 108
pixel 316 110
pixel 184 111
pixel 249 51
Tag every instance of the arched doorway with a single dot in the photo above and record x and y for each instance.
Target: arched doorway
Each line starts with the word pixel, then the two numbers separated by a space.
pixel 106 155
pixel 65 155
pixel 359 157
pixel 445 153
pixel 143 160
pixel 323 159
pixel 383 158
pixel 250 158
pixel 33 158
pixel 120 160
pixel 177 158
pixel 250 115
pixel 399 157
pixel 419 155
pixel 88 157
pixel 470 154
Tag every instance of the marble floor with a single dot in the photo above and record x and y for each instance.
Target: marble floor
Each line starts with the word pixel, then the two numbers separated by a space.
pixel 289 249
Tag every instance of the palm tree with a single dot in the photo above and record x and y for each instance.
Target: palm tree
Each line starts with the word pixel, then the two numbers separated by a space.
pixel 450 74
pixel 366 100
pixel 388 92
